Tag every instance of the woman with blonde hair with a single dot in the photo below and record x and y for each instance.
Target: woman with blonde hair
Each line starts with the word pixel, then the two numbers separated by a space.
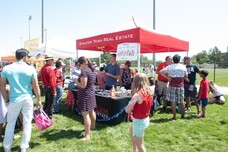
pixel 218 96
pixel 140 106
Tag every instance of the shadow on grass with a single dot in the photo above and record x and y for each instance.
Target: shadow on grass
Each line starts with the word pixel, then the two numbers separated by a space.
pixel 188 116
pixel 75 116
pixel 162 111
pixel 222 122
pixel 60 134
pixel 33 145
pixel 17 148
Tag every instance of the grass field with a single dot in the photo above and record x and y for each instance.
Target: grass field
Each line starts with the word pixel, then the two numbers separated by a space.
pixel 191 134
pixel 221 76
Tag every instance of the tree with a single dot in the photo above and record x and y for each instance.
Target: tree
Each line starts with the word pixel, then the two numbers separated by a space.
pixel 105 56
pixel 144 61
pixel 225 55
pixel 202 57
pixel 215 55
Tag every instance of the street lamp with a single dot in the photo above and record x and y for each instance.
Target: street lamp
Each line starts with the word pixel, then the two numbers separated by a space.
pixel 154 58
pixel 21 42
pixel 29 19
pixel 45 37
pixel 42 22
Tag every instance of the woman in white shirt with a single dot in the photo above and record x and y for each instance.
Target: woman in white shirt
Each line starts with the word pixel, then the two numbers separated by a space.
pixel 217 96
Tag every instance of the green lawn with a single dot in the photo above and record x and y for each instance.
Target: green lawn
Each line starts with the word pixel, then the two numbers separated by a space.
pixel 191 134
pixel 220 76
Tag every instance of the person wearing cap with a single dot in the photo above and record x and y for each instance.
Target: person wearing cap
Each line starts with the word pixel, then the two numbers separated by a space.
pixel 47 75
pixel 175 93
pixel 59 88
pixel 20 77
pixel 190 89
pixel 162 82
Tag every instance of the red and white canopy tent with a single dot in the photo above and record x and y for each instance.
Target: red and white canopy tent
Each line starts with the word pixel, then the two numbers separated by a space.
pixel 150 42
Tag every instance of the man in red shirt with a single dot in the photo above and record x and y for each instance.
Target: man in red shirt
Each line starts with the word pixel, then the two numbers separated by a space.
pixel 47 75
pixel 162 81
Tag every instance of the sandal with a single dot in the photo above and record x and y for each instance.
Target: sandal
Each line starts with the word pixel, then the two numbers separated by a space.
pixel 85 138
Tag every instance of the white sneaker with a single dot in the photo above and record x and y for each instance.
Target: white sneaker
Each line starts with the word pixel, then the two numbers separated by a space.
pixel 188 110
pixel 23 150
pixel 7 150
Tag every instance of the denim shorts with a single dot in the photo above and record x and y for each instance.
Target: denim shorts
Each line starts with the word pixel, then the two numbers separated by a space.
pixel 203 102
pixel 139 126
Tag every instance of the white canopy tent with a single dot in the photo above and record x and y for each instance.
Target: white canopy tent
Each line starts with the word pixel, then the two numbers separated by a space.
pixel 59 46
pixel 4 52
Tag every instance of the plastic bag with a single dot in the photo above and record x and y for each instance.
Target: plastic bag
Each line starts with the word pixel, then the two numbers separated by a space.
pixel 41 119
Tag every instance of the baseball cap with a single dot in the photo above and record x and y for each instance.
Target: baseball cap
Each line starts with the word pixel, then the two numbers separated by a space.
pixel 186 58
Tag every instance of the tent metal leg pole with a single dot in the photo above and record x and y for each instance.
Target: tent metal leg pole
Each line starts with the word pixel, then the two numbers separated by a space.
pixel 139 57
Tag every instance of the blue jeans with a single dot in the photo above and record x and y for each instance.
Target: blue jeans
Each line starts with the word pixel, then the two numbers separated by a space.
pixel 58 98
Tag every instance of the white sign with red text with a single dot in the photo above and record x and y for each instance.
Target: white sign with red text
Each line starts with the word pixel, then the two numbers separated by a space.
pixel 127 51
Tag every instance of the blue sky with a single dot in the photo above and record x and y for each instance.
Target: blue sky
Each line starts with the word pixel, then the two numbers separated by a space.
pixel 203 23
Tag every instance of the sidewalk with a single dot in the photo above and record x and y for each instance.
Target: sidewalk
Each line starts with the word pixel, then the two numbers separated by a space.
pixel 224 90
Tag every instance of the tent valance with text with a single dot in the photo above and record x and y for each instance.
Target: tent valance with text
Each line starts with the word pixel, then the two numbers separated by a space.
pixel 150 42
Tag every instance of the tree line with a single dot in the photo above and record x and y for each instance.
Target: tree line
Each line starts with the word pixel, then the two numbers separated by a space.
pixel 213 56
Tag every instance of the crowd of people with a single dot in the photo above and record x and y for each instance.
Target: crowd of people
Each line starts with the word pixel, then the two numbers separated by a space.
pixel 175 85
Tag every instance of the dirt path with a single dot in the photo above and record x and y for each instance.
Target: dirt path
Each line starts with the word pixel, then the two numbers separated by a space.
pixel 224 90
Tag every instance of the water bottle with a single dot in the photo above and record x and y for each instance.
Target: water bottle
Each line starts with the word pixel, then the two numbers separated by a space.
pixel 113 91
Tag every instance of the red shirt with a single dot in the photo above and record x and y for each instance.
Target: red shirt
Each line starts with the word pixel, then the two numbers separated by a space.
pixel 59 77
pixel 47 75
pixel 159 68
pixel 142 110
pixel 204 86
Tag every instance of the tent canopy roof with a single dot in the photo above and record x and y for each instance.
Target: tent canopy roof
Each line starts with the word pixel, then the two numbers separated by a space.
pixel 150 42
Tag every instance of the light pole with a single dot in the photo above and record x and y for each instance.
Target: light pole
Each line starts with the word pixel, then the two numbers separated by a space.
pixel 45 37
pixel 21 42
pixel 42 22
pixel 29 19
pixel 154 57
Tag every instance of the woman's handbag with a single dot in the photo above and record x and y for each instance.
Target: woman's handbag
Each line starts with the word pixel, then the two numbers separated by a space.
pixel 41 119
